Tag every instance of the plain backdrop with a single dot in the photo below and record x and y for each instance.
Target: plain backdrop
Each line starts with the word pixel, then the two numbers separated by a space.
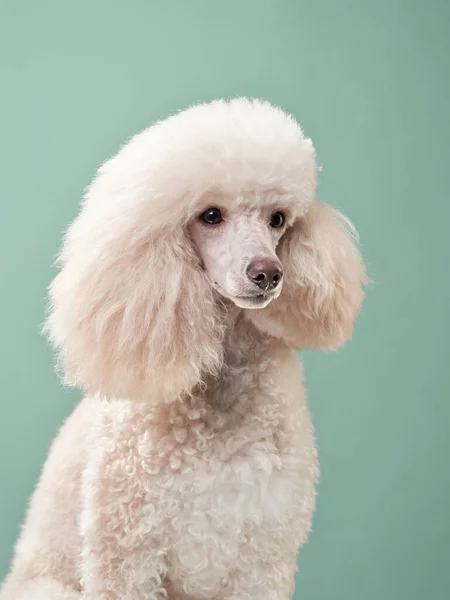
pixel 370 83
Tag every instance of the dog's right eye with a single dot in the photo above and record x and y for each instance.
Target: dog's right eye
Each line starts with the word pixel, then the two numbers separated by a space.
pixel 212 216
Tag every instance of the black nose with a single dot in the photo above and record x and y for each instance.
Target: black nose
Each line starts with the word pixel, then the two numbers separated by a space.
pixel 265 272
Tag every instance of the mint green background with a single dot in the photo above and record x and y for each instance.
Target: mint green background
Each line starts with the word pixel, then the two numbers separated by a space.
pixel 370 82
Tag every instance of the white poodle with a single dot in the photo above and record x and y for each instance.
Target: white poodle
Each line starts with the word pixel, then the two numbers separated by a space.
pixel 200 260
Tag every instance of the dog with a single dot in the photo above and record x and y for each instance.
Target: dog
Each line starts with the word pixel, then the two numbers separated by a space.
pixel 200 260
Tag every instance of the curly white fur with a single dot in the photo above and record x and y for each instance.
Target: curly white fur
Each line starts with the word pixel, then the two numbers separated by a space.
pixel 189 469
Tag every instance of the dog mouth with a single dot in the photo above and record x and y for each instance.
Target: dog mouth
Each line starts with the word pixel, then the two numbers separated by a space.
pixel 251 301
pixel 255 301
pixel 257 298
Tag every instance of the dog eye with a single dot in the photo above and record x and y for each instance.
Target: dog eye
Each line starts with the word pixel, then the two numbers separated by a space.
pixel 277 220
pixel 212 216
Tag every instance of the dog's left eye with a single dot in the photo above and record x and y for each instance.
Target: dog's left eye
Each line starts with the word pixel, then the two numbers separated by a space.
pixel 277 220
pixel 212 216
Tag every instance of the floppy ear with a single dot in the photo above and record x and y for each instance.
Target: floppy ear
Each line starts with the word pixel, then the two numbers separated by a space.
pixel 323 287
pixel 131 313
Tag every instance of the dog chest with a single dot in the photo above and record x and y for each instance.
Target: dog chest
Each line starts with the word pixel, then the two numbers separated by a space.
pixel 241 511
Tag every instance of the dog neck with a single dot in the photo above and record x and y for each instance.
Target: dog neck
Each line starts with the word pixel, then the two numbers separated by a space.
pixel 243 347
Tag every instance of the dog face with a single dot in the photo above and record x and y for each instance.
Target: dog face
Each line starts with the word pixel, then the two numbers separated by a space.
pixel 236 243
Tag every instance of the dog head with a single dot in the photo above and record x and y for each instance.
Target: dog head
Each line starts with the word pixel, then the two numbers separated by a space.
pixel 216 204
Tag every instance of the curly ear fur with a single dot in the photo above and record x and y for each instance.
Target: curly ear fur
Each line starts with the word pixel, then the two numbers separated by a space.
pixel 131 312
pixel 323 288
